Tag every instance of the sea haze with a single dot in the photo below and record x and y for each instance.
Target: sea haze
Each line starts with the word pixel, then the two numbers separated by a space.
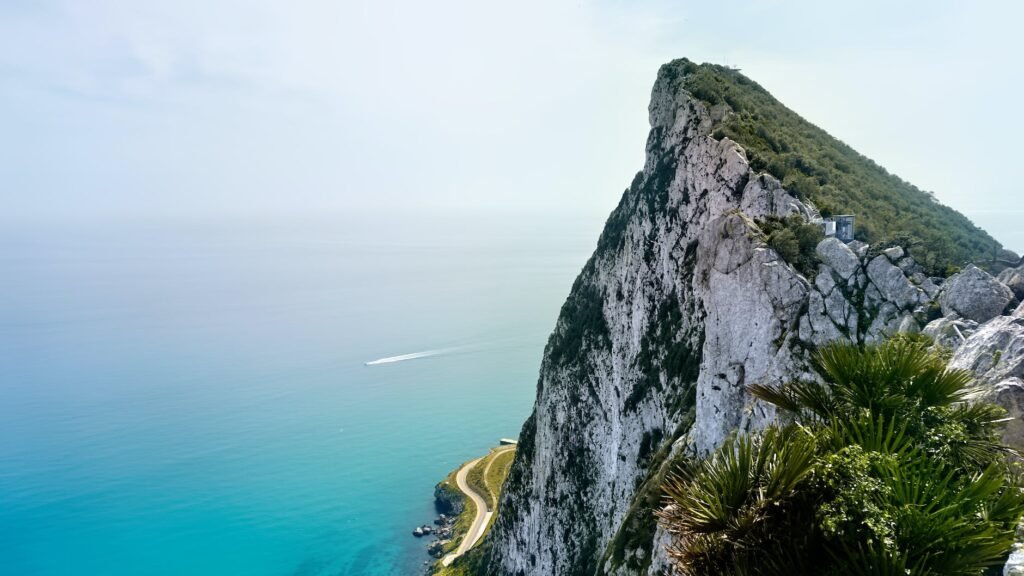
pixel 195 398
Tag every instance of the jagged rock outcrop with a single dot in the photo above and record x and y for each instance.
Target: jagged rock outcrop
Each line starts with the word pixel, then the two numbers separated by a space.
pixel 1010 395
pixel 892 283
pixel 995 351
pixel 618 380
pixel 950 332
pixel 839 257
pixel 975 294
pixel 682 305
pixel 1013 278
pixel 448 499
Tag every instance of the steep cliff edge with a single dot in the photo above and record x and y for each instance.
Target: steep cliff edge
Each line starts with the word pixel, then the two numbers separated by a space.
pixel 682 305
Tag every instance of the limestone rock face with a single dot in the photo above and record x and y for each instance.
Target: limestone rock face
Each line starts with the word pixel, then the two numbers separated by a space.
pixel 893 254
pixel 681 307
pixel 1010 395
pixel 950 332
pixel 1015 564
pixel 838 256
pixel 1013 278
pixel 975 294
pixel 743 329
pixel 1019 312
pixel 893 284
pixel 995 352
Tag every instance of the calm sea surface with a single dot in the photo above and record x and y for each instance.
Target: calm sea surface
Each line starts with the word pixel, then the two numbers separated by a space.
pixel 193 399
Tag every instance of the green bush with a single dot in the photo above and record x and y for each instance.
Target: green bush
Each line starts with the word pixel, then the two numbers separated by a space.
pixel 885 467
pixel 817 167
pixel 795 240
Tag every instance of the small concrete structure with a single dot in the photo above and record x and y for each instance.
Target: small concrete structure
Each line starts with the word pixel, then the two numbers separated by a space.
pixel 507 442
pixel 844 227
pixel 839 226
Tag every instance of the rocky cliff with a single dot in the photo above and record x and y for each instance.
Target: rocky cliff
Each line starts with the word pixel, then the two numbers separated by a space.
pixel 683 304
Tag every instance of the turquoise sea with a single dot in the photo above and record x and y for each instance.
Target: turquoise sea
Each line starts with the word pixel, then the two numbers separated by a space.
pixel 191 398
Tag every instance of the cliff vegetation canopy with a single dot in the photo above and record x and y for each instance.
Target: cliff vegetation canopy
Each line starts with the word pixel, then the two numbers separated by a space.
pixel 814 166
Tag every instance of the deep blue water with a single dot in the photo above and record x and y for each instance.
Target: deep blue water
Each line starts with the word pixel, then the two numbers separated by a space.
pixel 192 399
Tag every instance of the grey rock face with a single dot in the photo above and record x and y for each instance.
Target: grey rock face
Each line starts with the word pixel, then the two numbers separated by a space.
pixel 1015 564
pixel 680 275
pixel 975 294
pixel 995 354
pixel 838 256
pixel 925 283
pixel 892 284
pixel 995 351
pixel 893 254
pixel 742 329
pixel 950 332
pixel 886 323
pixel 681 307
pixel 1019 312
pixel 1013 278
pixel 1010 395
pixel 859 248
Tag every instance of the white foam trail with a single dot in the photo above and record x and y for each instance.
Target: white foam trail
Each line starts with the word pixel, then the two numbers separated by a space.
pixel 413 356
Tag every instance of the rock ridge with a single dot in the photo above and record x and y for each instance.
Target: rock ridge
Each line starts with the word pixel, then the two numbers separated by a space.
pixel 683 304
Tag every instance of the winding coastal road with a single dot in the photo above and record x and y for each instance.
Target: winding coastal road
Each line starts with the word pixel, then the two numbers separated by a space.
pixel 483 514
pixel 483 507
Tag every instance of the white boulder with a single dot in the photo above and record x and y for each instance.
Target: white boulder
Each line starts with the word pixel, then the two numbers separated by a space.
pixel 892 284
pixel 838 256
pixel 975 294
pixel 995 352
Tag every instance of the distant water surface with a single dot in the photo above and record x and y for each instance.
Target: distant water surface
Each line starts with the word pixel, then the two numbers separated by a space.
pixel 194 399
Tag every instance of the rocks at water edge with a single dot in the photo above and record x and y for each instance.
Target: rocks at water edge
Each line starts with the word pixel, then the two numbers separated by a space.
pixel 445 525
pixel 447 499
pixel 436 548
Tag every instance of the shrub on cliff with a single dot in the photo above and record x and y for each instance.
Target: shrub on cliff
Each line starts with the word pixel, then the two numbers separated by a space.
pixel 795 240
pixel 887 467
pixel 814 166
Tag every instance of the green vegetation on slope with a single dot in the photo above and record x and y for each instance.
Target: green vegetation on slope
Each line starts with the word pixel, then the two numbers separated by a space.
pixel 488 476
pixel 497 471
pixel 795 240
pixel 887 466
pixel 815 166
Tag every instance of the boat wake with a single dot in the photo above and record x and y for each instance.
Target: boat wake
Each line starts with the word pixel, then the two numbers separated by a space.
pixel 413 356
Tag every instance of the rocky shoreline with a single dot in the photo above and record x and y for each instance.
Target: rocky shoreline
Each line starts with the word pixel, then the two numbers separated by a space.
pixel 440 534
pixel 449 504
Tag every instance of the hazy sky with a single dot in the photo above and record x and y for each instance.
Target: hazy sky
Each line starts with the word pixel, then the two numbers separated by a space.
pixel 129 108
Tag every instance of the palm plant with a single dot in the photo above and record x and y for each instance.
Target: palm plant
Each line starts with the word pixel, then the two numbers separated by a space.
pixel 725 510
pixel 889 465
